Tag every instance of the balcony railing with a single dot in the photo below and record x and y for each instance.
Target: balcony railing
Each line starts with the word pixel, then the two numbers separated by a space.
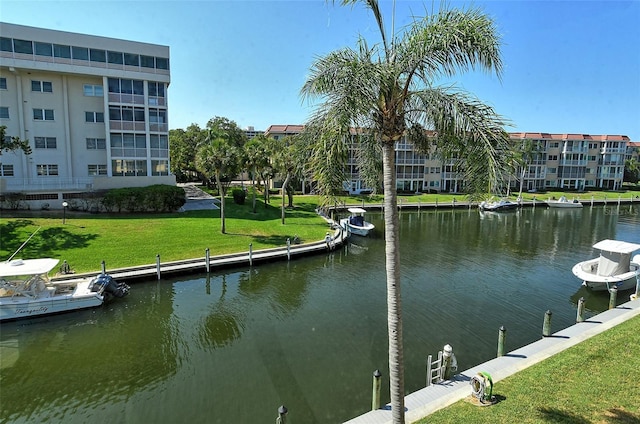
pixel 41 184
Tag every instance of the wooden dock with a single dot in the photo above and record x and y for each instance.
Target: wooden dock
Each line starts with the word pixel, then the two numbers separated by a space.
pixel 212 263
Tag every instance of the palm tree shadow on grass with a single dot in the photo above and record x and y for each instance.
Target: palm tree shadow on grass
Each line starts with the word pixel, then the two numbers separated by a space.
pixel 50 242
pixel 554 415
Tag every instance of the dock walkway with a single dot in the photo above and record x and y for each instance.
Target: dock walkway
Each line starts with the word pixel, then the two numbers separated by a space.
pixel 432 398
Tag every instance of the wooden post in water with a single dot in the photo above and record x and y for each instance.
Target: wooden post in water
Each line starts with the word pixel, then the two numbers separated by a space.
pixel 501 336
pixel 250 254
pixel 377 383
pixel 429 361
pixel 288 249
pixel 207 260
pixel 580 316
pixel 447 362
pixel 546 326
pixel 613 294
pixel 104 267
pixel 158 265
pixel 282 415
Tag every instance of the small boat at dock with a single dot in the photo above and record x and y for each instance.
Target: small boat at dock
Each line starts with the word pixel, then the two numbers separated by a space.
pixel 26 290
pixel 613 268
pixel 563 202
pixel 356 224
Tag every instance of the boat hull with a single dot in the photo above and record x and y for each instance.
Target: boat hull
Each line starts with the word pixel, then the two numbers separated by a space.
pixel 360 231
pixel 586 271
pixel 19 307
pixel 564 205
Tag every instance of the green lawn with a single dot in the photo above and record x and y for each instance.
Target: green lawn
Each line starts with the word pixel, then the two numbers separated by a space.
pixel 125 240
pixel 596 381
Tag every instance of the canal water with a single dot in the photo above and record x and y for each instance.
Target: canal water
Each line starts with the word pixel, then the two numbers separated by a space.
pixel 233 346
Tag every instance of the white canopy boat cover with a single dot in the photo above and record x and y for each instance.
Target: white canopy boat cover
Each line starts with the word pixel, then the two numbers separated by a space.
pixel 356 210
pixel 27 267
pixel 615 256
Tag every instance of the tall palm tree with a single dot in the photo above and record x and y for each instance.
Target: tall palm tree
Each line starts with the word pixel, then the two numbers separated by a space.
pixel 387 92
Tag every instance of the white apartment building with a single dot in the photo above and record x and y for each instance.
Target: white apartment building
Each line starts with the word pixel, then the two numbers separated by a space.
pixel 94 111
pixel 561 161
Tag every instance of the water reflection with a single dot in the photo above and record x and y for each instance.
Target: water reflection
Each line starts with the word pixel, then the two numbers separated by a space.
pixel 234 345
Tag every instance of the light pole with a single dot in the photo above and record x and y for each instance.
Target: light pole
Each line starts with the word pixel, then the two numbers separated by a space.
pixel 64 212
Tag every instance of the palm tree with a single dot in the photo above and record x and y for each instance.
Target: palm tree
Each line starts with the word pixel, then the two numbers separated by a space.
pixel 387 92
pixel 219 159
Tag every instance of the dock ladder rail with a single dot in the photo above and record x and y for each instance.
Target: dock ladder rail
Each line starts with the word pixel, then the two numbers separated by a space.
pixel 435 369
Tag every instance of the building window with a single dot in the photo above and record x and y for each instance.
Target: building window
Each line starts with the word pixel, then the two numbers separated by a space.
pixel 129 168
pixel 3 83
pixel 162 63
pixel 115 57
pixel 80 53
pixel 6 44
pixel 126 86
pixel 43 49
pixel 45 142
pixel 22 46
pixel 97 170
pixel 553 157
pixel 551 170
pixel 96 144
pixel 159 144
pixel 94 117
pixel 62 51
pixel 43 114
pixel 159 167
pixel 156 89
pixel 147 62
pixel 128 145
pixel 592 158
pixel 131 59
pixel 158 116
pixel 4 112
pixel 96 55
pixel 93 90
pixel 42 86
pixel 126 113
pixel 554 145
pixel 6 170
pixel 47 170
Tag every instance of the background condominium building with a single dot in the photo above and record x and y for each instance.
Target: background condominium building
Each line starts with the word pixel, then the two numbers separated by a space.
pixel 93 109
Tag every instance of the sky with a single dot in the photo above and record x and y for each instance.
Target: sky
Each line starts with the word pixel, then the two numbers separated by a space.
pixel 569 66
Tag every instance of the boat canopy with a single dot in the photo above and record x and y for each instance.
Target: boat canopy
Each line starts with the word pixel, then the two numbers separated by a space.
pixel 27 267
pixel 617 246
pixel 356 210
pixel 615 256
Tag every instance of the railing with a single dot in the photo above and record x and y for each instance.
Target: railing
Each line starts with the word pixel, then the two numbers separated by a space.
pixel 47 184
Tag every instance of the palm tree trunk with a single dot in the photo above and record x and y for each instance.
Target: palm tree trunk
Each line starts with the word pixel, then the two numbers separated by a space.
pixel 394 299
pixel 284 192
pixel 221 191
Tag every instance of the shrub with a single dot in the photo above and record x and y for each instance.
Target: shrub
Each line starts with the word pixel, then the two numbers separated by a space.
pixel 155 198
pixel 239 195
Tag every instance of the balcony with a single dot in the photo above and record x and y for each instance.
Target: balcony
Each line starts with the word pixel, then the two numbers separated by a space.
pixel 46 184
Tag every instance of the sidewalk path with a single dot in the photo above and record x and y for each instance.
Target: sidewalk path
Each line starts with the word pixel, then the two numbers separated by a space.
pixel 197 199
pixel 430 399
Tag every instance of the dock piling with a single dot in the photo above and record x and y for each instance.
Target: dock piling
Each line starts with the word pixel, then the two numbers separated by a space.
pixel 207 259
pixel 104 267
pixel 502 332
pixel 580 316
pixel 250 254
pixel 282 415
pixel 613 295
pixel 288 249
pixel 377 383
pixel 546 326
pixel 158 265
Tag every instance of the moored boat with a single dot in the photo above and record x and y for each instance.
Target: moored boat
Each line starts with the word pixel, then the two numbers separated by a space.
pixel 563 202
pixel 356 223
pixel 497 205
pixel 26 290
pixel 613 268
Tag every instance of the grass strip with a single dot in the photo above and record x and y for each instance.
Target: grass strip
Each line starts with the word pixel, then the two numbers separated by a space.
pixel 596 381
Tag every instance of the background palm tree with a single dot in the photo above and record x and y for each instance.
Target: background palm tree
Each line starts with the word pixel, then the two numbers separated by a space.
pixel 386 92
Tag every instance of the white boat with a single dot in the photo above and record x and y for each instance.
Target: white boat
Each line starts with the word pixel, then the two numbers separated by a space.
pixel 614 267
pixel 497 205
pixel 355 224
pixel 26 290
pixel 563 202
